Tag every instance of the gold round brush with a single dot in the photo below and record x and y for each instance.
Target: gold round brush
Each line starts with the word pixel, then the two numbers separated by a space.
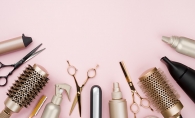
pixel 24 90
pixel 160 93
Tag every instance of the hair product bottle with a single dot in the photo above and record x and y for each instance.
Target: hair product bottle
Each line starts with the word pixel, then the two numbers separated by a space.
pixel 118 105
pixel 53 109
pixel 182 45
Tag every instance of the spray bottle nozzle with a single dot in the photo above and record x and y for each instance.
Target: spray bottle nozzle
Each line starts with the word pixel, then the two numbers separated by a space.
pixel 57 98
pixel 61 87
pixel 116 94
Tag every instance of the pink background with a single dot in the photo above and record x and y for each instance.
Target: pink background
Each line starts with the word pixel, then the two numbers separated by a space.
pixel 103 32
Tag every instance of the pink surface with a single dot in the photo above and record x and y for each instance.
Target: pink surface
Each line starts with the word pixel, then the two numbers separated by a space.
pixel 97 32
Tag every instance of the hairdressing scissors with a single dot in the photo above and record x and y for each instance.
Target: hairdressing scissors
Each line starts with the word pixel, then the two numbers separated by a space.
pixel 29 56
pixel 133 91
pixel 91 73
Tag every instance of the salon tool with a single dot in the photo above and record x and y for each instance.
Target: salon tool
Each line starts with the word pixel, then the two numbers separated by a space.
pixel 14 44
pixel 29 56
pixel 24 90
pixel 53 109
pixel 183 75
pixel 38 106
pixel 96 102
pixel 91 73
pixel 118 105
pixel 182 45
pixel 133 91
pixel 160 93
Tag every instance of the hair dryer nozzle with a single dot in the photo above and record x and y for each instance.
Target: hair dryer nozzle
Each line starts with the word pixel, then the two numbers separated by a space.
pixel 176 69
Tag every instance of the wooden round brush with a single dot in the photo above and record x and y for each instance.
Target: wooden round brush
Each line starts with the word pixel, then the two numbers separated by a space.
pixel 24 90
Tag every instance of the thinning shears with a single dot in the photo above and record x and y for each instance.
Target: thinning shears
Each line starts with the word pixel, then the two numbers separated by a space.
pixel 29 56
pixel 133 91
pixel 91 73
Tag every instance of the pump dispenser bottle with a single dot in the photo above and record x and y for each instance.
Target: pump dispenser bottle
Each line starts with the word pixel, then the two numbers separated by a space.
pixel 183 75
pixel 182 45
pixel 52 109
pixel 118 105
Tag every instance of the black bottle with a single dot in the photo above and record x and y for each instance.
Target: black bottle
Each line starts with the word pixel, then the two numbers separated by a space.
pixel 183 75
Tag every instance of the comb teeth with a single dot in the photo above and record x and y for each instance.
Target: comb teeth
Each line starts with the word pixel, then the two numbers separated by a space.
pixel 26 88
pixel 159 91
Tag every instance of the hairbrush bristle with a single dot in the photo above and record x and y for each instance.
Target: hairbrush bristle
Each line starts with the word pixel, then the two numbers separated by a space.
pixel 159 91
pixel 169 83
pixel 26 88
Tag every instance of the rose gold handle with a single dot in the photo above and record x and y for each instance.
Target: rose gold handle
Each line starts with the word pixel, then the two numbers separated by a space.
pixel 4 115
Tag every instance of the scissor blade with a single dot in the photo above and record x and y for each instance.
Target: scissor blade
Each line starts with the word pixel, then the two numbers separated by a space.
pixel 73 104
pixel 32 52
pixel 79 103
pixel 35 54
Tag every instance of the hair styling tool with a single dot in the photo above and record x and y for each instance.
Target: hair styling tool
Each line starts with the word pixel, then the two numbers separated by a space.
pixel 91 73
pixel 160 93
pixel 118 105
pixel 29 56
pixel 24 90
pixel 52 109
pixel 14 44
pixel 182 45
pixel 38 106
pixel 133 91
pixel 183 75
pixel 96 102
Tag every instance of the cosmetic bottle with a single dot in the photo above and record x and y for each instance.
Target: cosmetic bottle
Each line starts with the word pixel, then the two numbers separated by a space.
pixel 53 109
pixel 182 45
pixel 118 105
pixel 183 75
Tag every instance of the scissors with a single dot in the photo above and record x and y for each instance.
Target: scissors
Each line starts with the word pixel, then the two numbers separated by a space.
pixel 91 73
pixel 29 56
pixel 133 91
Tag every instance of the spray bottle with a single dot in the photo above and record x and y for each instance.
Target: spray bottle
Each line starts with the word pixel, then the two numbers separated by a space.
pixel 118 105
pixel 52 109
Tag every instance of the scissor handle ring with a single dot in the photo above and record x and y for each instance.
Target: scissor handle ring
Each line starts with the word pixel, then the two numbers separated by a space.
pixel 90 70
pixel 143 105
pixel 71 67
pixel 137 106
pixel 3 77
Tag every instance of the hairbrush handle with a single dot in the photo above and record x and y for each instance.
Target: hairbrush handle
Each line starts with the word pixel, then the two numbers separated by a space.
pixel 3 114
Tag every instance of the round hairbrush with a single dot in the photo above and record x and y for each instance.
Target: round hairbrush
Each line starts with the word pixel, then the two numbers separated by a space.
pixel 160 93
pixel 24 90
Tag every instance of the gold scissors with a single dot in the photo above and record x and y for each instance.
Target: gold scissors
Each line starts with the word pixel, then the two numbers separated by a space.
pixel 91 73
pixel 133 91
